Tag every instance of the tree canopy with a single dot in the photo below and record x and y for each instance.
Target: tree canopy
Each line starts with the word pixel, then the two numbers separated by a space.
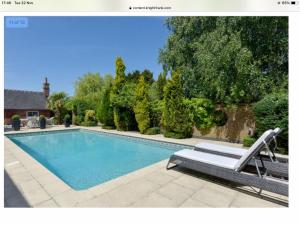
pixel 89 87
pixel 228 59
pixel 57 102
pixel 122 99
pixel 142 105
pixel 135 76
pixel 104 109
pixel 176 116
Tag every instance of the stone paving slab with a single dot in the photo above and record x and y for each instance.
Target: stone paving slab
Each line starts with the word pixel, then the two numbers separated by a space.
pixel 71 198
pixel 190 182
pixel 36 196
pixel 175 192
pixel 47 204
pixel 213 198
pixel 249 201
pixel 29 184
pixel 155 200
pixel 159 178
pixel 102 201
pixel 191 203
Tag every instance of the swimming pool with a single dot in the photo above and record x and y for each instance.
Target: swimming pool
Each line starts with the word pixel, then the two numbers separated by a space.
pixel 83 158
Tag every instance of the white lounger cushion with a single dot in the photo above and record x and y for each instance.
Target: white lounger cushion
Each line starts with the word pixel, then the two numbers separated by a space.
pixel 217 160
pixel 255 148
pixel 213 148
pixel 221 149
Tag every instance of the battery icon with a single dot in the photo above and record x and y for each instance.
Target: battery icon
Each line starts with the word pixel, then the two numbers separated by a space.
pixel 293 3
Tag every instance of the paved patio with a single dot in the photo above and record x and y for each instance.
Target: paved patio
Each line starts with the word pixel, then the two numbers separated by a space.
pixel 29 184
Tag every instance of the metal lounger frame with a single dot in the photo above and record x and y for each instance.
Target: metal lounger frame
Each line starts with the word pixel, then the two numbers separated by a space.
pixel 255 180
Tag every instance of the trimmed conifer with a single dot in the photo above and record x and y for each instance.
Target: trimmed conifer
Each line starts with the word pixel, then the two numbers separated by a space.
pixel 176 118
pixel 142 106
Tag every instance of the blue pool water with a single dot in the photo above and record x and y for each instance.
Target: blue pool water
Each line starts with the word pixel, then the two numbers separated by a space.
pixel 83 159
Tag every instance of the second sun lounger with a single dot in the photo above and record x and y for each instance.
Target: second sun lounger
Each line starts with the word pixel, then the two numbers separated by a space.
pixel 231 151
pixel 275 165
pixel 235 170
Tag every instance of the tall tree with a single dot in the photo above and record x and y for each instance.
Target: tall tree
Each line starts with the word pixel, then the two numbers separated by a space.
pixel 117 87
pixel 267 39
pixel 56 102
pixel 104 110
pixel 135 76
pixel 122 99
pixel 88 87
pixel 142 106
pixel 176 116
pixel 71 106
pixel 161 82
pixel 224 58
pixel 148 76
pixel 119 80
pixel 228 73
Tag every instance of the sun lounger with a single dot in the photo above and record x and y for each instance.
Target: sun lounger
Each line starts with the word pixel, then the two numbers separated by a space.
pixel 49 121
pixel 274 165
pixel 233 169
pixel 24 122
pixel 222 150
pixel 233 152
pixel 33 122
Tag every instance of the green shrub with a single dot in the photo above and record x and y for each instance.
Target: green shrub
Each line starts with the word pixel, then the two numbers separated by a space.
pixel 152 131
pixel 156 112
pixel 177 118
pixel 15 118
pixel 104 111
pixel 142 116
pixel 108 127
pixel 155 101
pixel 122 99
pixel 118 103
pixel 125 119
pixel 161 82
pixel 170 134
pixel 89 115
pixel 220 118
pixel 272 112
pixel 59 116
pixel 88 88
pixel 89 123
pixel 202 110
pixel 79 119
pixel 55 121
pixel 248 141
pixel 57 102
pixel 80 107
pixel 89 118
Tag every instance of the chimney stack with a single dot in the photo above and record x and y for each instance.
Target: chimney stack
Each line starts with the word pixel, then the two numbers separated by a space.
pixel 46 88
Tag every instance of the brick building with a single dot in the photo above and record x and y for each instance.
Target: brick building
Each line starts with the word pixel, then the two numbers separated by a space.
pixel 26 103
